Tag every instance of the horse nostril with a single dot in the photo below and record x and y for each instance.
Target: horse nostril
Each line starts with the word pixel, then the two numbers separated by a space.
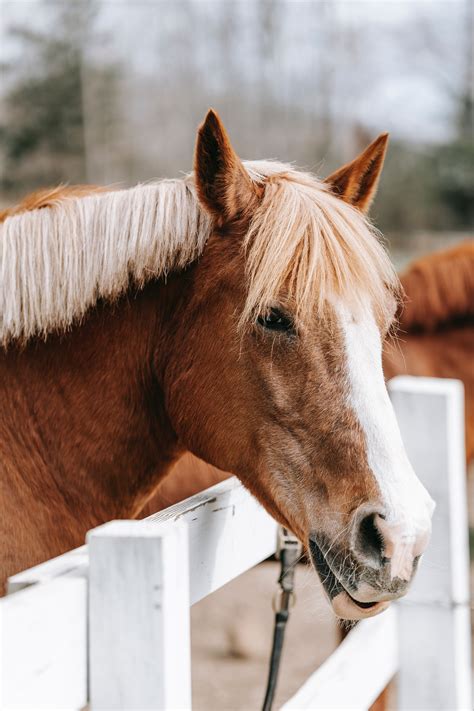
pixel 368 541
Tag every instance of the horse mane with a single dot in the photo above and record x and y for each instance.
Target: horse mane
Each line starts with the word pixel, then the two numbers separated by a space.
pixel 77 245
pixel 439 289
pixel 63 249
pixel 49 197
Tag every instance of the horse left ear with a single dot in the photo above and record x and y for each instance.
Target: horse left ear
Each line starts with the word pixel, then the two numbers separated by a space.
pixel 224 187
pixel 357 182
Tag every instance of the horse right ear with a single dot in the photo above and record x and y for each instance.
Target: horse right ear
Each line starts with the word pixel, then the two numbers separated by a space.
pixel 223 185
pixel 356 182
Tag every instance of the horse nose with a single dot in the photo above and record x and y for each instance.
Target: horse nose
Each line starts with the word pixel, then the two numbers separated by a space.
pixel 379 542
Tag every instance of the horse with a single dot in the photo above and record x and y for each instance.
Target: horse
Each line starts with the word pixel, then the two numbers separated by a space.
pixel 237 313
pixel 434 337
pixel 436 324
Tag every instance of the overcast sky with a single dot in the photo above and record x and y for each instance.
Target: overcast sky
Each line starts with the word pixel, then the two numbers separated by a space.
pixel 400 85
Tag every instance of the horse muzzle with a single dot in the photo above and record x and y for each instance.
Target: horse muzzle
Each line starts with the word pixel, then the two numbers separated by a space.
pixel 356 600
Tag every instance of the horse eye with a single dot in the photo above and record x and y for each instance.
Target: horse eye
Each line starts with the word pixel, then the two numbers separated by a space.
pixel 275 320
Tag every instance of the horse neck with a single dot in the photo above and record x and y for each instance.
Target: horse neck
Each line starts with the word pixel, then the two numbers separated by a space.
pixel 85 433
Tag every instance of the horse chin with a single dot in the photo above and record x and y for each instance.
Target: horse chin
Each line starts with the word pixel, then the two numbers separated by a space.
pixel 343 604
pixel 346 608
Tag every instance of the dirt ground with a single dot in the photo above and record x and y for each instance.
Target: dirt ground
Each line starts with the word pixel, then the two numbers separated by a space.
pixel 231 639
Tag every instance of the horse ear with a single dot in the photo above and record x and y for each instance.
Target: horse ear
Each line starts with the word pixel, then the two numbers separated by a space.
pixel 357 182
pixel 223 185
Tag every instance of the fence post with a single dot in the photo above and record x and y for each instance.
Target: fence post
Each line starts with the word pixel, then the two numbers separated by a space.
pixel 434 618
pixel 139 629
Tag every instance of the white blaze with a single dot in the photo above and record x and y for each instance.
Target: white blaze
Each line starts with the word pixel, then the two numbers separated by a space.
pixel 406 503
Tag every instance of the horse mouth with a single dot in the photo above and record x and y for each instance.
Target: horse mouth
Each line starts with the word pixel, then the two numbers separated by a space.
pixel 343 604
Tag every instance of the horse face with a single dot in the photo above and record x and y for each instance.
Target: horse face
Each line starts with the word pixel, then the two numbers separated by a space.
pixel 297 409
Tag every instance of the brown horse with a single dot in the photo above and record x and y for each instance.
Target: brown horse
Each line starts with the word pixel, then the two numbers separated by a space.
pixel 237 314
pixel 434 338
pixel 436 324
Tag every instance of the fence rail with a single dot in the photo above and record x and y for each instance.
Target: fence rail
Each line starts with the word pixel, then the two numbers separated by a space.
pixel 108 624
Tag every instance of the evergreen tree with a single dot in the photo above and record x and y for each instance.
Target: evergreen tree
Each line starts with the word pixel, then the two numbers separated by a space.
pixel 43 128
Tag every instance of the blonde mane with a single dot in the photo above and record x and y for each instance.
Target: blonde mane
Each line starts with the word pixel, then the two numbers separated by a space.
pixel 58 258
pixel 56 262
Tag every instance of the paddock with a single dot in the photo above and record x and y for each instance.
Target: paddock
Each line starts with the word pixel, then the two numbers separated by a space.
pixel 108 625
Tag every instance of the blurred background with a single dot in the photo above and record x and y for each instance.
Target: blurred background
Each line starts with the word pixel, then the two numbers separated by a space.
pixel 111 91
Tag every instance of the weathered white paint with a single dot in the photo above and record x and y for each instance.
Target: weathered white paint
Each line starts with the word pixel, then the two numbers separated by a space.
pixel 406 504
pixel 229 532
pixel 142 582
pixel 43 640
pixel 139 636
pixel 434 619
pixel 356 673
pixel 75 562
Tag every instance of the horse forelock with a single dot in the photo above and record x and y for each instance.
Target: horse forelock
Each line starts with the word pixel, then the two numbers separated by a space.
pixel 64 248
pixel 310 245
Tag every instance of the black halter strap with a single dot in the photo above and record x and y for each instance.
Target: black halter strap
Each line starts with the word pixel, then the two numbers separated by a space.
pixel 289 551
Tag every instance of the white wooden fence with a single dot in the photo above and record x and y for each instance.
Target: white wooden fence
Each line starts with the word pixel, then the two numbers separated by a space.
pixel 108 624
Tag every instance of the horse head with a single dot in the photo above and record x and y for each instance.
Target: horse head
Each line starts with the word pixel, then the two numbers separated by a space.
pixel 278 378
